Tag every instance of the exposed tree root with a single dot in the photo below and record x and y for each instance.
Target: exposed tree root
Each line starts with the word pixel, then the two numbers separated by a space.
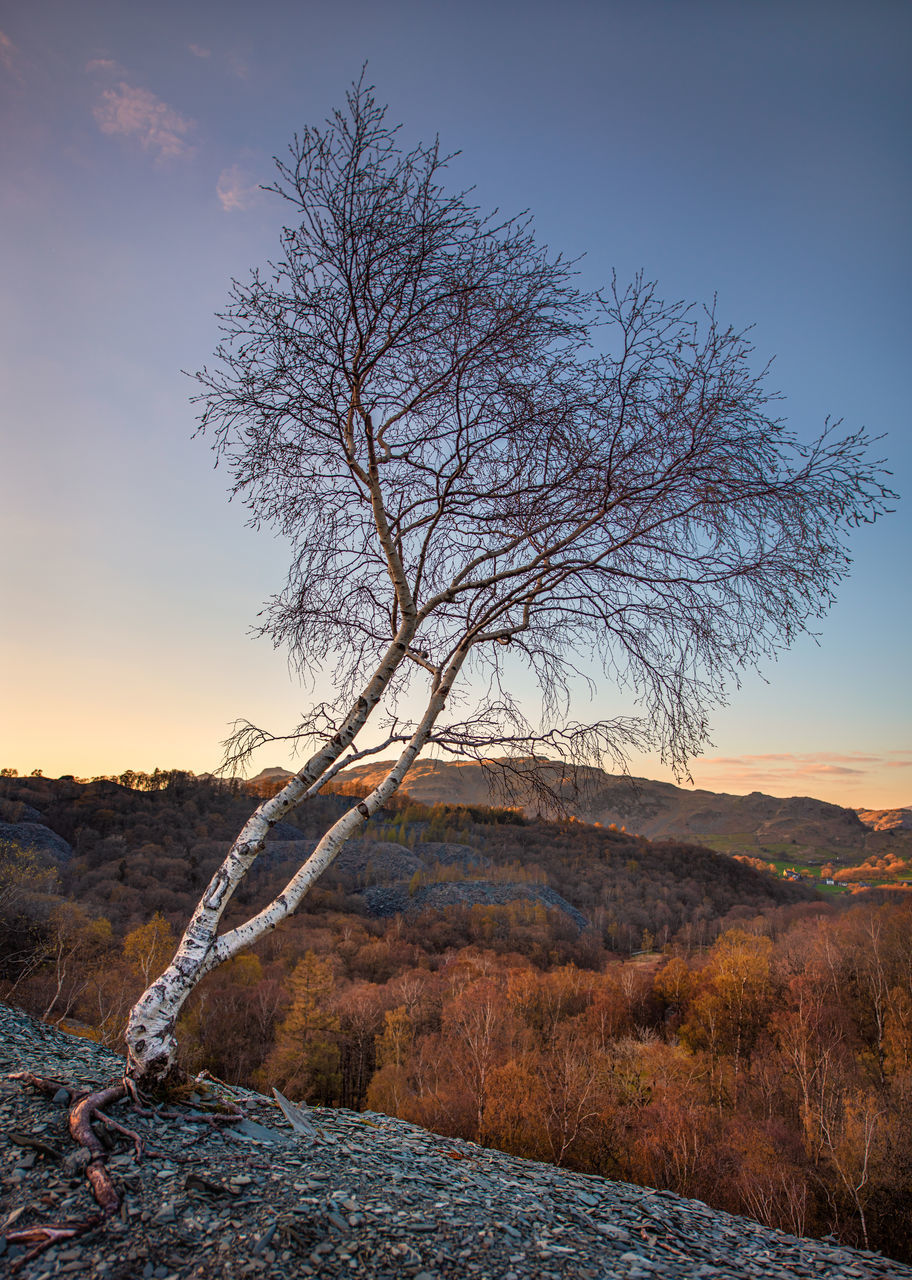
pixel 47 1084
pixel 43 1237
pixel 110 1123
pixel 231 1115
pixel 88 1105
pixel 81 1118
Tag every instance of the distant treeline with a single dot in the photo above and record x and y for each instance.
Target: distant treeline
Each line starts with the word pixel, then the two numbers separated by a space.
pixel 157 780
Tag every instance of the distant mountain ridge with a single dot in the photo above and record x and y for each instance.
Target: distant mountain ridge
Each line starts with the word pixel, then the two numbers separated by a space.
pixel 484 875
pixel 657 809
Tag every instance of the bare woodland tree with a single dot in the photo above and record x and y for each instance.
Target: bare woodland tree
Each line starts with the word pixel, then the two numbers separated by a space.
pixel 480 466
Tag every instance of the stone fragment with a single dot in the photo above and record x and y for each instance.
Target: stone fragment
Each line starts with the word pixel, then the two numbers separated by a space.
pixel 266 1239
pixel 75 1161
pixel 195 1182
pixel 296 1116
pixel 638 1260
pixel 250 1130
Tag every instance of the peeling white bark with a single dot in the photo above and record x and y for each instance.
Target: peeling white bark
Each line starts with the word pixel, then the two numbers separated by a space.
pixel 325 853
pixel 151 1047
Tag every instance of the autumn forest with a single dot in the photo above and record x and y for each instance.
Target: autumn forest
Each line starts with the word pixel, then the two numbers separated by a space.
pixel 707 1029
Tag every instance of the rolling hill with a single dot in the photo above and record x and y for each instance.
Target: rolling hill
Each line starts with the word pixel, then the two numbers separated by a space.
pixel 754 824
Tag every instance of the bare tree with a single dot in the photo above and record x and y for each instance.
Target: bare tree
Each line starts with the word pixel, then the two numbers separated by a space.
pixel 478 466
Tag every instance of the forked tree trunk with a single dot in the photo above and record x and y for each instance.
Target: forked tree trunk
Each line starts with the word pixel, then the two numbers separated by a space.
pixel 150 1036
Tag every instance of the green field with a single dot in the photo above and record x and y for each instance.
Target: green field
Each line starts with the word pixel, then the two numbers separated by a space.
pixel 787 856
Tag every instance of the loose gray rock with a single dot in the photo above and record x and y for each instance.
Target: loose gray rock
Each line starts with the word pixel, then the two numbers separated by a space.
pixel 392 900
pixel 35 837
pixel 448 853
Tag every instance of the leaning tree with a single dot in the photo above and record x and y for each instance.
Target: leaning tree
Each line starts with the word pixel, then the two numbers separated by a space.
pixel 479 466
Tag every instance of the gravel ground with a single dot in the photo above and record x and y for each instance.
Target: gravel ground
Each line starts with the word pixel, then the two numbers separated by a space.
pixel 365 1196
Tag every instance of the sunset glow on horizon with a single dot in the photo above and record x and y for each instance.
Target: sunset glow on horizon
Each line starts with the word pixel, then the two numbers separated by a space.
pixel 758 154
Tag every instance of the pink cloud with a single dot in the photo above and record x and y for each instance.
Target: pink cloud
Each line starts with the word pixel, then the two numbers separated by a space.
pixel 8 53
pixel 832 775
pixel 198 51
pixel 797 759
pixel 137 113
pixel 235 190
pixel 842 757
pixel 840 770
pixel 104 64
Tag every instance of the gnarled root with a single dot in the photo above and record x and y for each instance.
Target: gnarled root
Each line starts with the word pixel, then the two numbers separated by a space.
pixel 42 1238
pixel 47 1084
pixel 88 1104
pixel 88 1107
pixel 81 1118
pixel 110 1123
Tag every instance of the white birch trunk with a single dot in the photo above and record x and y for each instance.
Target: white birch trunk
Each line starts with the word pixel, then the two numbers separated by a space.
pixel 151 1046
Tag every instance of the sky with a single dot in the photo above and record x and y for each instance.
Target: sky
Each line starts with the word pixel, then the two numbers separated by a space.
pixel 758 152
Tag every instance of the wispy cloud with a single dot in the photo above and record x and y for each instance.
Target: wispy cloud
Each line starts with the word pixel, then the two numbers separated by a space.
pixel 235 189
pixel 799 759
pixel 198 51
pixel 237 66
pixel 8 54
pixel 137 113
pixel 105 65
pixel 790 772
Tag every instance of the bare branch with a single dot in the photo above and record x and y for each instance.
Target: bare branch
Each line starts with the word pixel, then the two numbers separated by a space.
pixel 478 465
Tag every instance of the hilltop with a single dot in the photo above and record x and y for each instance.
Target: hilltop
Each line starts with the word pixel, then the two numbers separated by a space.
pixel 755 825
pixel 887 819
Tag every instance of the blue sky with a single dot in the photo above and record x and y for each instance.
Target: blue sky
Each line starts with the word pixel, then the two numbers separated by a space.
pixel 754 151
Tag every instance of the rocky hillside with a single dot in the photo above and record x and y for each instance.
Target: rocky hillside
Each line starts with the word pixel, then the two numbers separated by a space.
pixel 363 1195
pixel 887 819
pixel 398 899
pixel 24 825
pixel 385 877
pixel 658 810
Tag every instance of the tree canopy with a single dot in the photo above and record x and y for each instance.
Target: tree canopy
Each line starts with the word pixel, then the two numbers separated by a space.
pixel 479 463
